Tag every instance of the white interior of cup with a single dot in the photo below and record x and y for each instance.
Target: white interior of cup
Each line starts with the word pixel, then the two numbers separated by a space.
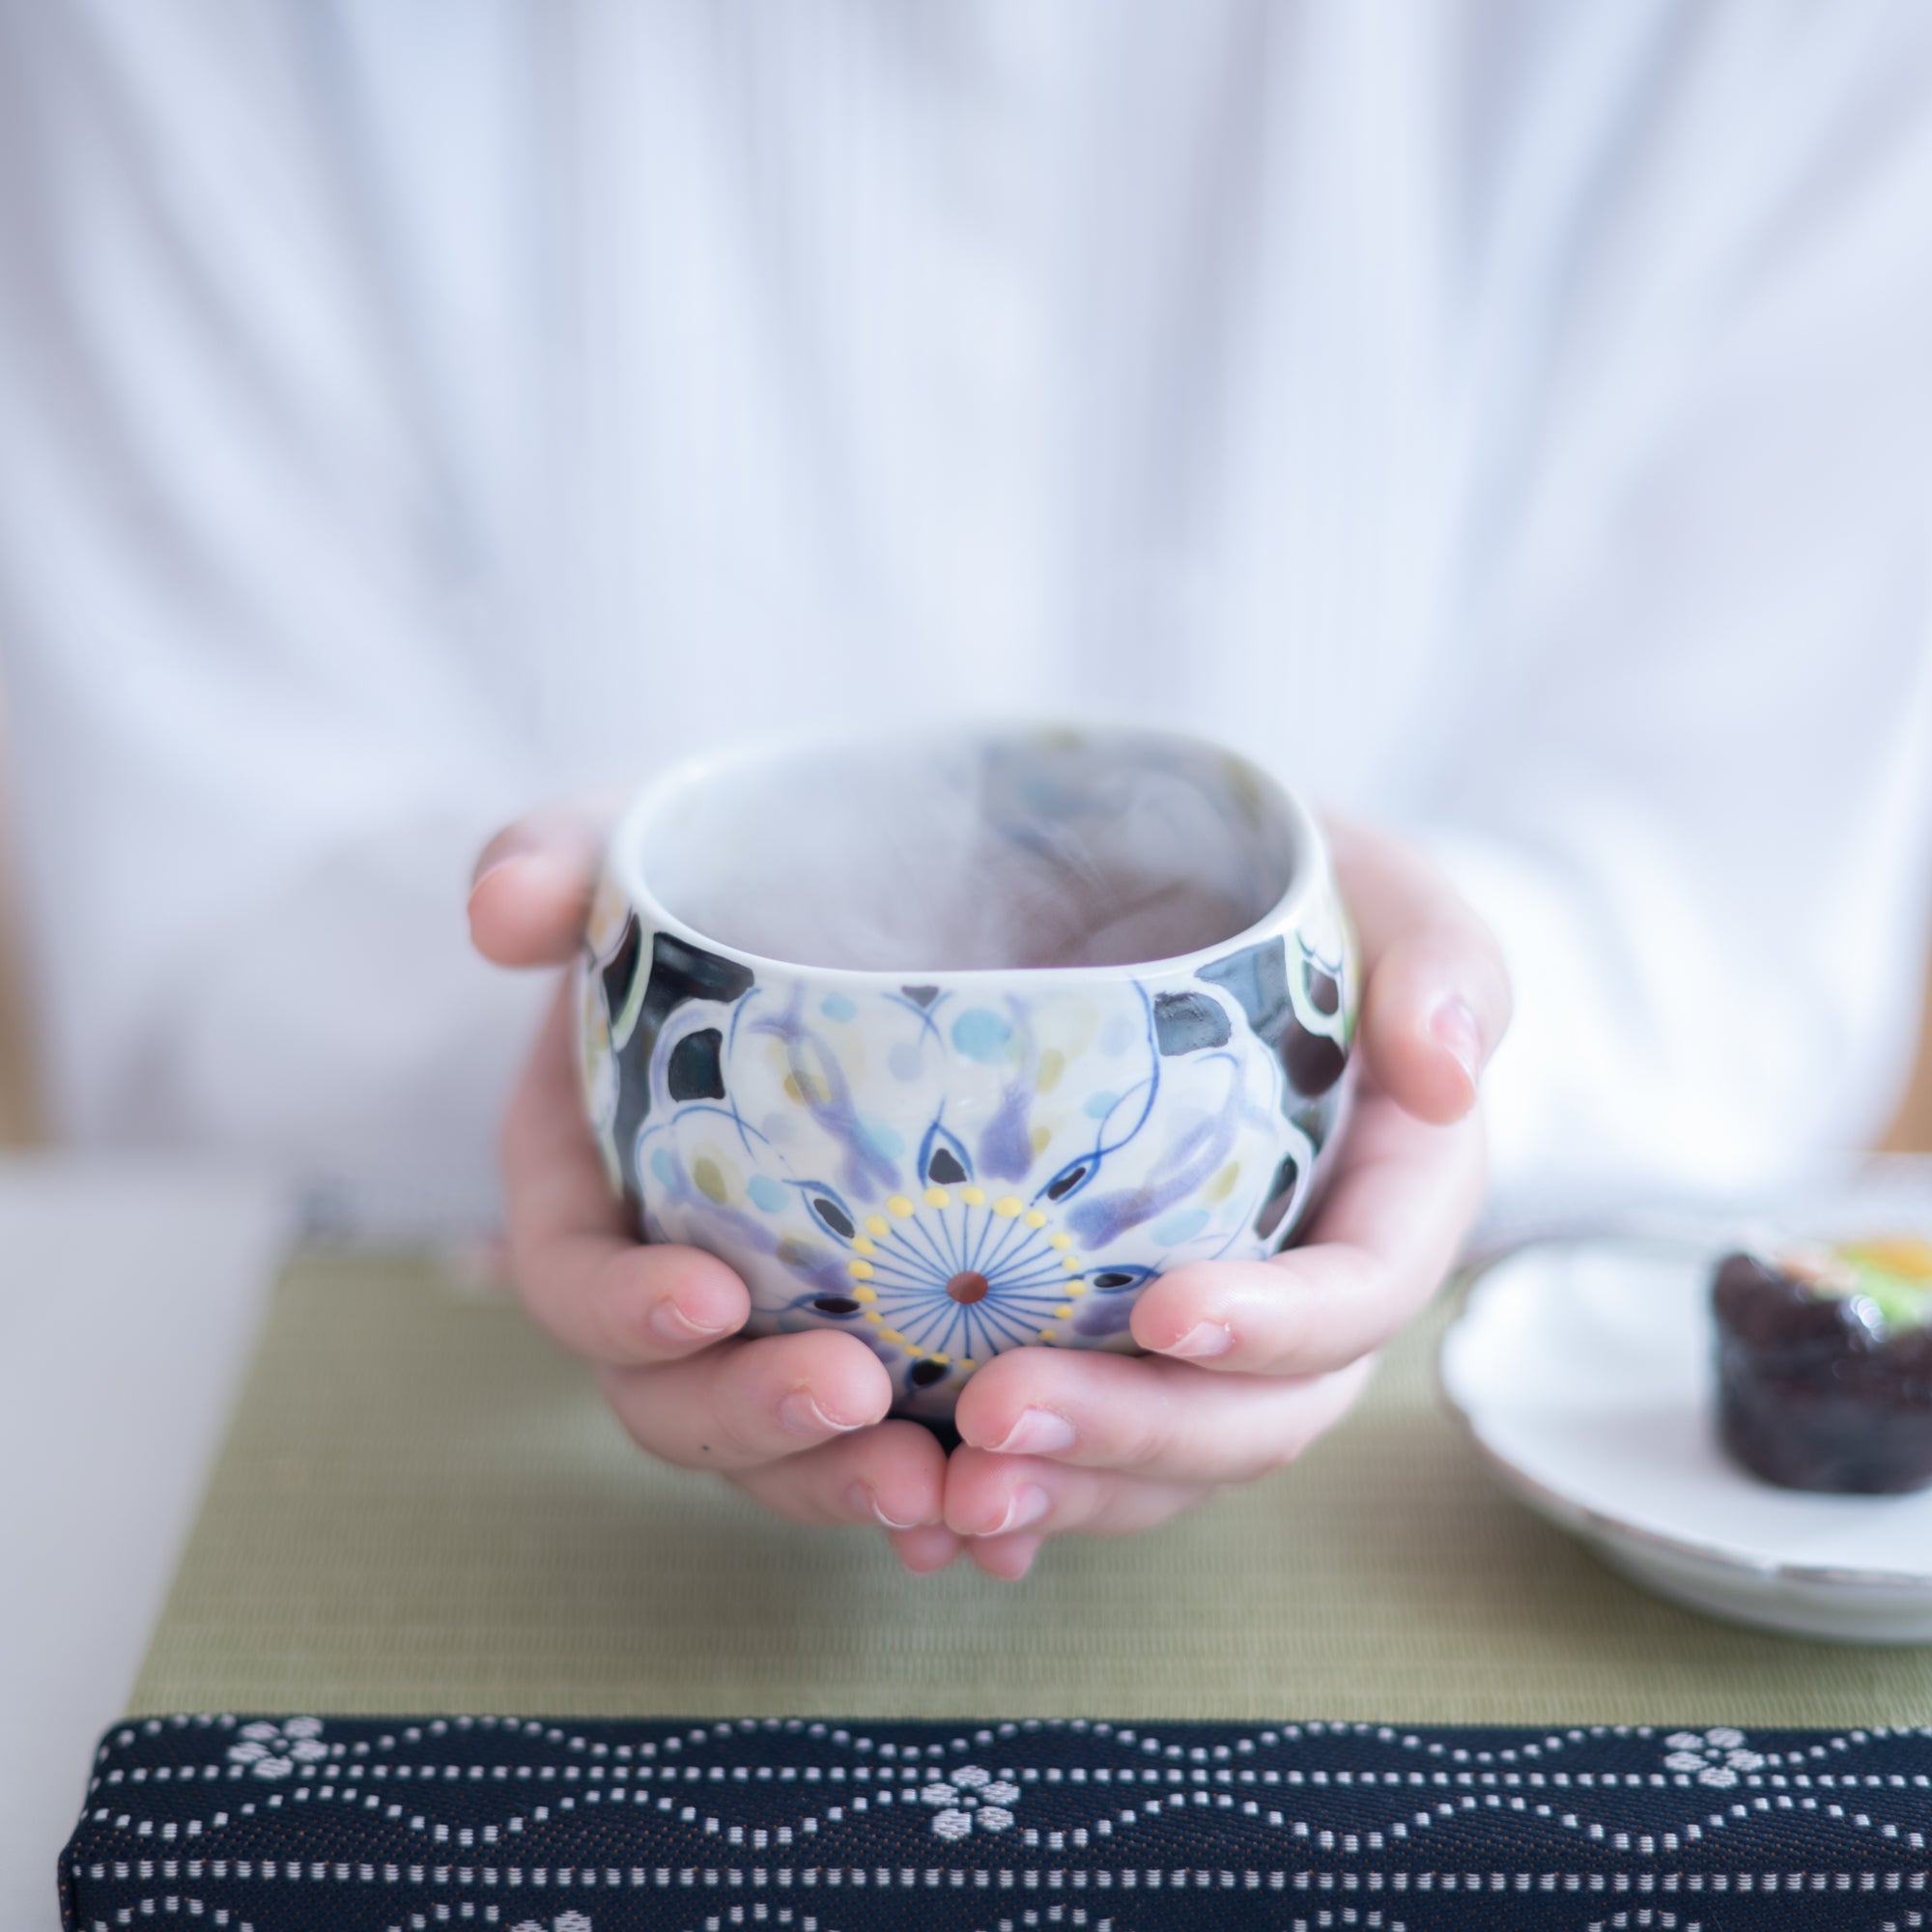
pixel 967 850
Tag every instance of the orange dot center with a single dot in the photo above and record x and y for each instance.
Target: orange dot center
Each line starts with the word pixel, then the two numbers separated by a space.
pixel 967 1286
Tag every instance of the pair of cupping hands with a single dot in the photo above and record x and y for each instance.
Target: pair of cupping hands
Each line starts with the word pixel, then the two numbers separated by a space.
pixel 1246 1362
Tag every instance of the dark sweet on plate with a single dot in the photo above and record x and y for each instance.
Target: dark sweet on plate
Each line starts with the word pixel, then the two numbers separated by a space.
pixel 1825 1365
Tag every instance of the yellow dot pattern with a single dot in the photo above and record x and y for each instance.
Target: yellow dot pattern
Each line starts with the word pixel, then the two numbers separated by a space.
pixel 1007 1206
pixel 899 1205
pixel 858 1271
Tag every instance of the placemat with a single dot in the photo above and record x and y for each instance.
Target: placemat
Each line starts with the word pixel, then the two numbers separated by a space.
pixel 422 1507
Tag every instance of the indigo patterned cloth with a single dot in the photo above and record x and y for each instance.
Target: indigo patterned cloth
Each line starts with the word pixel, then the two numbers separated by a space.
pixel 340 1824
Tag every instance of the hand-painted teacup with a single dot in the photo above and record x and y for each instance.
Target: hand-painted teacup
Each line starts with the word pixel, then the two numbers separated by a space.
pixel 956 1041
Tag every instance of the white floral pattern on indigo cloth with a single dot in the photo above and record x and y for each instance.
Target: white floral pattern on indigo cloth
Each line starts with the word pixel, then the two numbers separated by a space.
pixel 1161 1828
pixel 275 1751
pixel 972 1796
pixel 1714 1757
pixel 950 1172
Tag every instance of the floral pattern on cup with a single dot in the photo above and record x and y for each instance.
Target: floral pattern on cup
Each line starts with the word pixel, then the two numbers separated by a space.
pixel 955 1166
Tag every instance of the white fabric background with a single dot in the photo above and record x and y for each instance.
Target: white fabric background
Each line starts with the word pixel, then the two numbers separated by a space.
pixel 1509 421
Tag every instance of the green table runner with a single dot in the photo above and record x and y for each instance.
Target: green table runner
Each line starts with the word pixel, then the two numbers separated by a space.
pixel 422 1506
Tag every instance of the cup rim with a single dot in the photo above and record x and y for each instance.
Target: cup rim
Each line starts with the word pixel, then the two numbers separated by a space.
pixel 624 865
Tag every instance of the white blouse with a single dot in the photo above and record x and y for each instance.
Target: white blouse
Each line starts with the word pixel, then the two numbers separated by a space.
pixel 1511 421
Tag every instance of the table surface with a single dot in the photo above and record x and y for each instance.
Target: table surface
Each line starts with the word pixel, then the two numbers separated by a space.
pixel 130 1292
pixel 130 1296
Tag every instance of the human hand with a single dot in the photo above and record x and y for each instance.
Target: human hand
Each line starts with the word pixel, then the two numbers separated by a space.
pixel 1250 1361
pixel 796 1421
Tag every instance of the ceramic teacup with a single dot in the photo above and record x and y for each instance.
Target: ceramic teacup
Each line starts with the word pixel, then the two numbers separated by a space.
pixel 956 1041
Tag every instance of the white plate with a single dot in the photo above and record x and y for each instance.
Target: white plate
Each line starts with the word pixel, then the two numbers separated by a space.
pixel 1584 1371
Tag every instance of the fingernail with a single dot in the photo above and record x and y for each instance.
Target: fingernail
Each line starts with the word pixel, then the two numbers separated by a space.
pixel 803 1416
pixel 538 863
pixel 670 1324
pixel 512 842
pixel 1452 1027
pixel 1029 1502
pixel 864 1503
pixel 1038 1431
pixel 1204 1340
pixel 484 868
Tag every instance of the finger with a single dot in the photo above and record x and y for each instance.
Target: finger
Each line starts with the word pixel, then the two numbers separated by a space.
pixel 581 1274
pixel 891 1478
pixel 923 1552
pixel 530 892
pixel 997 1497
pixel 1166 1421
pixel 1007 1558
pixel 1437 1000
pixel 1388 1234
pixel 744 1403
